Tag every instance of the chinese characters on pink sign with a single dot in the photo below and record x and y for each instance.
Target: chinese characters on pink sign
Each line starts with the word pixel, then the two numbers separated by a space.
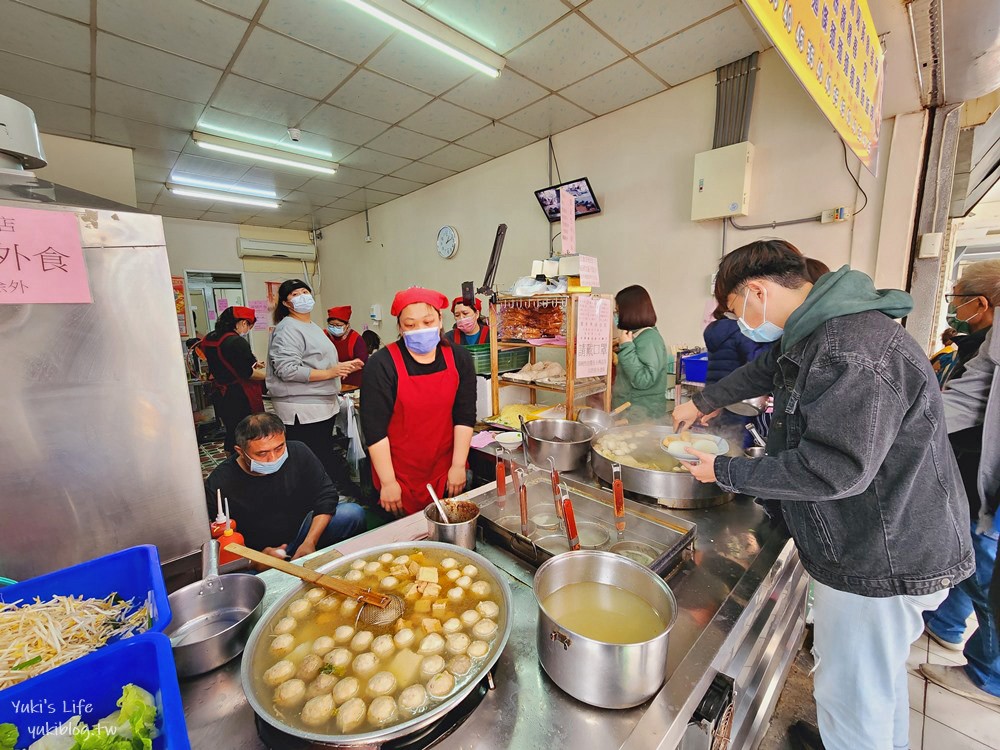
pixel 263 313
pixel 567 221
pixel 41 258
pixel 593 336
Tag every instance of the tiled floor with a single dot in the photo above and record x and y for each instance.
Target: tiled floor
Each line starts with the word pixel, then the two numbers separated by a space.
pixel 211 455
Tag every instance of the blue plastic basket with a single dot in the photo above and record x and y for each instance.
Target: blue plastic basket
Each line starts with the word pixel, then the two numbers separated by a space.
pixel 90 688
pixel 695 368
pixel 131 573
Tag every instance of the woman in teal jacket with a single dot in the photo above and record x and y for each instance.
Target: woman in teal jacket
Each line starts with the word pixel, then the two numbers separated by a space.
pixel 642 357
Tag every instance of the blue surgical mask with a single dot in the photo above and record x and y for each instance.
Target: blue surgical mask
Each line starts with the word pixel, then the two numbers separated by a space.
pixel 422 340
pixel 264 467
pixel 766 332
pixel 336 330
pixel 303 303
pixel 616 320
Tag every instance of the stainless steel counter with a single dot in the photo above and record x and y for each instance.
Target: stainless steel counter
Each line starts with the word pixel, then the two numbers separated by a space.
pixel 740 602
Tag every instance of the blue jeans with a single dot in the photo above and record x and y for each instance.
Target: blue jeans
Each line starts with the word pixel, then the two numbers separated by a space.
pixel 348 521
pixel 982 650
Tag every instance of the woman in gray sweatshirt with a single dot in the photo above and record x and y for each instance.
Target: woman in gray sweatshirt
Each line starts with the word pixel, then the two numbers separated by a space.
pixel 303 374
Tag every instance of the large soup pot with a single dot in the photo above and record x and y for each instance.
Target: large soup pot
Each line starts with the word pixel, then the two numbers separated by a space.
pixel 564 441
pixel 257 647
pixel 607 675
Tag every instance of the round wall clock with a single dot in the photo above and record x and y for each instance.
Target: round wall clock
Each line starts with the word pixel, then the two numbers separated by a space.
pixel 447 242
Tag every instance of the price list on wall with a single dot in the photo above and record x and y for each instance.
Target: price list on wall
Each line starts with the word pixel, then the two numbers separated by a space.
pixel 593 336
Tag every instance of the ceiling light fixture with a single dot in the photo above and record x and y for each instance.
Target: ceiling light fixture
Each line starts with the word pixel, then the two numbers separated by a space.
pixel 222 197
pixel 262 153
pixel 240 135
pixel 417 24
pixel 227 187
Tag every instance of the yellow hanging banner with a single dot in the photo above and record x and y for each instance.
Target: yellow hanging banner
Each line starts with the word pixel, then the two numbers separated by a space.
pixel 832 47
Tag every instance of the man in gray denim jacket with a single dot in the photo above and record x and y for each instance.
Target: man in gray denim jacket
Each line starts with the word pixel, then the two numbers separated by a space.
pixel 859 467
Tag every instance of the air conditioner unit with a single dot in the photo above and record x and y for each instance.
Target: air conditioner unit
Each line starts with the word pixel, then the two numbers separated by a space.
pixel 270 249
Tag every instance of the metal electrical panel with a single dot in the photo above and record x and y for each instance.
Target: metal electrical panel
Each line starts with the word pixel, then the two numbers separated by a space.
pixel 721 186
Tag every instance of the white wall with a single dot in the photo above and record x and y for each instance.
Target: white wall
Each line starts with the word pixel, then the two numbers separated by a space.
pixel 95 168
pixel 640 161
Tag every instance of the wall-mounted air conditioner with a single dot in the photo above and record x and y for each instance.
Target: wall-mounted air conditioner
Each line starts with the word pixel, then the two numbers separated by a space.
pixel 270 249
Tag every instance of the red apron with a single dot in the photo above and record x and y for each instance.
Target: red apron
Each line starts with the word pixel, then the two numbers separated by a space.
pixel 345 353
pixel 421 432
pixel 484 336
pixel 251 388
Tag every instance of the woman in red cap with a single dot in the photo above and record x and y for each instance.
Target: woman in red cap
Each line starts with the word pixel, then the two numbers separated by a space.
pixel 418 407
pixel 237 374
pixel 349 343
pixel 470 328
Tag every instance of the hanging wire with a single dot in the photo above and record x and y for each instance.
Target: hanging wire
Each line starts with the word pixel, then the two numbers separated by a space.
pixel 847 166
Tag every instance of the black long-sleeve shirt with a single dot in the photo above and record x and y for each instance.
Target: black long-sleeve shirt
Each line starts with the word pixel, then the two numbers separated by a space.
pixel 380 382
pixel 269 509
pixel 237 352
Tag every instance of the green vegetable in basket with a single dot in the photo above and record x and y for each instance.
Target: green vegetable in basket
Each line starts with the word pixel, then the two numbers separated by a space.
pixel 8 736
pixel 132 727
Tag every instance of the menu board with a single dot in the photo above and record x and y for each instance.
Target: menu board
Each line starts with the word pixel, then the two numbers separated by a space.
pixel 567 221
pixel 593 336
pixel 41 257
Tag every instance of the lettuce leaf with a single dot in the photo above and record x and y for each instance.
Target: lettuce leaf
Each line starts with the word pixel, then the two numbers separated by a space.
pixel 133 727
pixel 8 736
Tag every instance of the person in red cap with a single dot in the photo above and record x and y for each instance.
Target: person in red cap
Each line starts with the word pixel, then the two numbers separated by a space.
pixel 236 373
pixel 470 328
pixel 418 407
pixel 349 343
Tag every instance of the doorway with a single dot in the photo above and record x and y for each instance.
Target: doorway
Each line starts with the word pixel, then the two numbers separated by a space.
pixel 209 293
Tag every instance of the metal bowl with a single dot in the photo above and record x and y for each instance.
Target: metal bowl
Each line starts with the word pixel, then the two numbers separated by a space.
pixel 566 442
pixel 261 635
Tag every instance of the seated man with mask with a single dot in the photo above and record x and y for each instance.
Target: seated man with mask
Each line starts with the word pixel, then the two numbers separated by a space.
pixel 280 494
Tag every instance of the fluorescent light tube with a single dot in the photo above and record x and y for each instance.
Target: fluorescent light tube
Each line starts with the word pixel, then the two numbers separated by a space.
pixel 262 153
pixel 226 187
pixel 432 32
pixel 223 197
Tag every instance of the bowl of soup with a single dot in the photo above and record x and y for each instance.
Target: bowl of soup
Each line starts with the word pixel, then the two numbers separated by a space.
pixel 315 670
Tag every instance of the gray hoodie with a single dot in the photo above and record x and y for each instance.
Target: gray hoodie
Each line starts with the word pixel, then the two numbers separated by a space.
pixel 295 349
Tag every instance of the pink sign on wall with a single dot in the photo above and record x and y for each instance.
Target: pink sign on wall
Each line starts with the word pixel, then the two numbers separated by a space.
pixel 222 304
pixel 260 309
pixel 567 221
pixel 41 258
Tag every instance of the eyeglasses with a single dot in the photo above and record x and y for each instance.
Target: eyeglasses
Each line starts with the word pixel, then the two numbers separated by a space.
pixel 950 297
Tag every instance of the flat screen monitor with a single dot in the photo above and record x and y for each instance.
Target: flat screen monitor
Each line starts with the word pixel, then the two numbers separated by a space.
pixel 586 203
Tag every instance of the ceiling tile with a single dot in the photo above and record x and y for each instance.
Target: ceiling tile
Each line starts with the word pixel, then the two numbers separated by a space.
pixel 331 26
pixel 301 198
pixel 53 117
pixel 245 8
pixel 444 120
pixel 455 157
pixel 253 99
pixel 300 225
pixel 497 26
pixel 496 98
pixel 497 140
pixel 395 185
pixel 354 177
pixel 154 157
pixel 622 84
pixel 210 169
pixel 66 43
pixel 375 161
pixel 146 191
pixel 703 48
pixel 402 142
pixel 414 63
pixel 328 188
pixel 78 10
pixel 144 172
pixel 372 197
pixel 326 216
pixel 31 77
pixel 567 52
pixel 424 173
pixel 184 27
pixel 146 68
pixel 551 115
pixel 343 125
pixel 119 99
pixel 178 212
pixel 266 176
pixel 126 132
pixel 378 97
pixel 347 204
pixel 144 206
pixel 228 214
pixel 640 23
pixel 290 65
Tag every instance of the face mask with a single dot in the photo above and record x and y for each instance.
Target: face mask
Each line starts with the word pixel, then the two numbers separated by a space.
pixel 466 325
pixel 423 340
pixel 303 303
pixel 961 326
pixel 336 330
pixel 616 320
pixel 263 467
pixel 766 332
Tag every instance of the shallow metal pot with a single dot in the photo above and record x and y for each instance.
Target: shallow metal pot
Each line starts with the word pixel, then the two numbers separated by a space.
pixel 564 441
pixel 607 675
pixel 213 618
pixel 596 418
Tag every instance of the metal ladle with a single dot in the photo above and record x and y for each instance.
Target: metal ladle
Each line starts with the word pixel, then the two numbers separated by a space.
pixel 440 506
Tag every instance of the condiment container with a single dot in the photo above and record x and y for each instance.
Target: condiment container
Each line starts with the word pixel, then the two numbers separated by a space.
pixel 462 533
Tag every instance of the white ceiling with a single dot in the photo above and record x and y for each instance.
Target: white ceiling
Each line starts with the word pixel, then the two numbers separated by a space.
pixel 395 114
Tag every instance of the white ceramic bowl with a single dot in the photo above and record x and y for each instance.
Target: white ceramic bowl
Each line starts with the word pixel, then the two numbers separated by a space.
pixel 509 440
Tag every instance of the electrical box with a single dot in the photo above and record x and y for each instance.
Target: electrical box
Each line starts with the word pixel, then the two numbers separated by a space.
pixel 721 186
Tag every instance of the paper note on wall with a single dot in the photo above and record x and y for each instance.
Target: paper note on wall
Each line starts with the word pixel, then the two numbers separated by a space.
pixel 221 305
pixel 567 221
pixel 589 274
pixel 41 258
pixel 593 336
pixel 259 307
pixel 177 282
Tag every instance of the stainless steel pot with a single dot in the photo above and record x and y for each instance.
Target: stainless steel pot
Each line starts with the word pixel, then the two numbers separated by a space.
pixel 260 639
pixel 608 675
pixel 564 441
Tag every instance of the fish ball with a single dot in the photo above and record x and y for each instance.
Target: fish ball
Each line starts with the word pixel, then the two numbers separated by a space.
pixel 351 715
pixel 290 694
pixel 323 645
pixel 470 617
pixel 458 643
pixel 432 643
pixel 349 607
pixel 281 671
pixel 365 665
pixel 318 710
pixel 413 699
pixel 338 658
pixel 372 568
pixel 479 649
pixel 282 645
pixel 328 604
pixel 464 582
pixel 314 594
pixel 358 565
pixel 449 562
pixel 362 641
pixel 456 594
pixel 404 638
pixel 431 666
pixel 453 625
pixel 347 689
pixel 402 560
pixel 470 570
pixel 484 629
pixel 385 557
pixel 354 576
pixel 309 668
pixel 322 684
pixel 488 609
pixel 382 683
pixel 343 634
pixel 441 684
pixel 459 665
pixel 382 711
pixel 480 589
pixel 285 625
pixel 383 647
pixel 300 609
pixel 453 575
pixel 389 583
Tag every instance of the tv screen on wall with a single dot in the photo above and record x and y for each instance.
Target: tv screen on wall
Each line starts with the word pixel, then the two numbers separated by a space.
pixel 586 203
